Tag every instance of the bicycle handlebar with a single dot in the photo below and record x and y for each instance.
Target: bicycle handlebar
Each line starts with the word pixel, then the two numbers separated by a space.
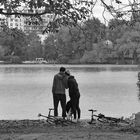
pixel 92 110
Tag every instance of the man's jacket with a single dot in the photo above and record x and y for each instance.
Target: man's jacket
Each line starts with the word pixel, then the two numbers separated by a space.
pixel 59 83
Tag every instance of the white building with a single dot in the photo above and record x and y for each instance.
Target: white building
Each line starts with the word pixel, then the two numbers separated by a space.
pixel 29 26
pixel 26 25
pixel 15 22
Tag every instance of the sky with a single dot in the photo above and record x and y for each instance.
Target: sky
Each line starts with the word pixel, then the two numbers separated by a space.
pixel 98 9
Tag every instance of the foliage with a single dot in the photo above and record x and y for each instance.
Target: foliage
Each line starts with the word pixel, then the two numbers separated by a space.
pixel 123 10
pixel 91 42
pixel 50 50
pixel 70 12
pixel 16 43
pixel 12 59
pixel 15 59
pixel 116 29
pixel 34 48
pixel 106 45
pixel 89 57
pixel 13 42
pixel 71 43
pixel 128 44
pixel 65 12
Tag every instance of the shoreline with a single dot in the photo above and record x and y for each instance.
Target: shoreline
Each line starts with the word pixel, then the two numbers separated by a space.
pixel 40 130
pixel 17 126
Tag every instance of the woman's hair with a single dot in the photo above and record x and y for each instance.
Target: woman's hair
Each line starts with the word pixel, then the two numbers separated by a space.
pixel 67 72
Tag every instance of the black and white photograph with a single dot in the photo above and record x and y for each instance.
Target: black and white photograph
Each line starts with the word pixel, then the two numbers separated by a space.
pixel 69 69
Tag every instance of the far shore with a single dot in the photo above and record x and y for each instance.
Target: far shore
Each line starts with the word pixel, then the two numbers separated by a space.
pixel 78 64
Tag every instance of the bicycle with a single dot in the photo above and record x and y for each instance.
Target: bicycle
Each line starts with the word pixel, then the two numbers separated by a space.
pixel 106 120
pixel 55 120
pixel 92 116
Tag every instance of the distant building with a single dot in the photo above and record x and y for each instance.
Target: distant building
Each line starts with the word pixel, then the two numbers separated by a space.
pixel 39 27
pixel 25 24
pixel 15 22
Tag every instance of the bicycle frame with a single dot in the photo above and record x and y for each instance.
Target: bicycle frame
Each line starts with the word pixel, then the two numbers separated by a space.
pixel 53 120
pixel 104 119
pixel 92 115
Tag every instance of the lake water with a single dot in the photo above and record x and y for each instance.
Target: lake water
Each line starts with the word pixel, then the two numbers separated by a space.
pixel 25 90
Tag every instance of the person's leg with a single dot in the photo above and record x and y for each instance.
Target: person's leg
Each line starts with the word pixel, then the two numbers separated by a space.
pixel 78 108
pixel 73 104
pixel 63 105
pixel 68 109
pixel 55 102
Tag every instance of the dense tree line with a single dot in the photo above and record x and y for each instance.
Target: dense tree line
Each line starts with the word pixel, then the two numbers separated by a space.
pixel 91 42
pixel 16 46
pixel 74 36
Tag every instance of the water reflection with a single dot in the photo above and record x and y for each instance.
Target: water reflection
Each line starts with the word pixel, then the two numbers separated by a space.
pixel 138 85
pixel 86 68
pixel 25 69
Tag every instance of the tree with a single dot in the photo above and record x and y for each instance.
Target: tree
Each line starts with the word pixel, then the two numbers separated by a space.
pixel 50 48
pixel 77 42
pixel 34 48
pixel 65 12
pixel 128 45
pixel 116 29
pixel 120 9
pixel 70 12
pixel 94 32
pixel 64 45
pixel 13 42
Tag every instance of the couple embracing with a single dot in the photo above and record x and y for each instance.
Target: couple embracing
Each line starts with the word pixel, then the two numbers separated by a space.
pixel 62 81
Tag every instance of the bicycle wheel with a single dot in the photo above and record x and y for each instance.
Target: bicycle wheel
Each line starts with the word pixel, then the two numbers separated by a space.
pixel 93 119
pixel 103 120
pixel 54 120
pixel 51 120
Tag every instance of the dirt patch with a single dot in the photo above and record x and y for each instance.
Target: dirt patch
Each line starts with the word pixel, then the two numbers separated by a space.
pixel 41 130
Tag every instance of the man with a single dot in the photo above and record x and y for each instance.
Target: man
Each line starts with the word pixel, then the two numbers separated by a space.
pixel 74 95
pixel 58 90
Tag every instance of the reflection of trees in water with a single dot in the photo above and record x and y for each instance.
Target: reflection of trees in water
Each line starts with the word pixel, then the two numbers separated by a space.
pixel 138 85
pixel 139 93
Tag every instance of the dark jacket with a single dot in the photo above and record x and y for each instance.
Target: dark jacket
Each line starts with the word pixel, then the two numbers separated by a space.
pixel 59 84
pixel 73 87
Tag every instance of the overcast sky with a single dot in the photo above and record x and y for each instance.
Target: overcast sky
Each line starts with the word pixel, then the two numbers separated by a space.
pixel 98 9
pixel 98 12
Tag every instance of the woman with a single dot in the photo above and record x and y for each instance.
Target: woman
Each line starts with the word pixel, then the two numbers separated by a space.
pixel 74 94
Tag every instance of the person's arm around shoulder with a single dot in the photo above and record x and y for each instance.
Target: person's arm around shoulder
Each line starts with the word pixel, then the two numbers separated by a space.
pixel 65 80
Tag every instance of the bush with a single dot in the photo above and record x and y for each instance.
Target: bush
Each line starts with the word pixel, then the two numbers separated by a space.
pixel 15 60
pixel 12 59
